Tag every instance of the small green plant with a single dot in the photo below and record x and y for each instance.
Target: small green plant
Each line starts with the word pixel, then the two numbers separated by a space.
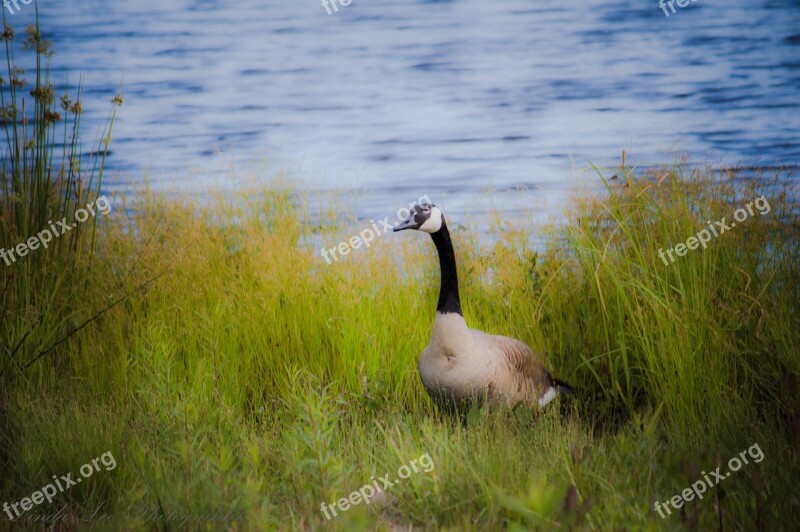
pixel 313 468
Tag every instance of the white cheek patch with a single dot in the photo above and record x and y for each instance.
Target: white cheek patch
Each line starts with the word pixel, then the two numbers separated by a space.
pixel 434 222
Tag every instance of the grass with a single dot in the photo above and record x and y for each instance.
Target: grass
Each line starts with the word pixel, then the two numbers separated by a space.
pixel 46 179
pixel 239 381
pixel 252 381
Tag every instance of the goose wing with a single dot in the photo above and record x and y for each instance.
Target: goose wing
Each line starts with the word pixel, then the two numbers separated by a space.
pixel 522 376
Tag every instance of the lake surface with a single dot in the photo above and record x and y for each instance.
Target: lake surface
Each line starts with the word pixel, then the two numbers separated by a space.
pixel 450 99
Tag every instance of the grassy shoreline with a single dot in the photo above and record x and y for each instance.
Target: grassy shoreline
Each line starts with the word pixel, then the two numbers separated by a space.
pixel 241 376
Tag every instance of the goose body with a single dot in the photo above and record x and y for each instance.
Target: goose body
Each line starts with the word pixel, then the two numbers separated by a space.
pixel 461 366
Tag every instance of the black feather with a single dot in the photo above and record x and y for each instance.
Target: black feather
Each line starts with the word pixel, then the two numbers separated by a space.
pixel 563 387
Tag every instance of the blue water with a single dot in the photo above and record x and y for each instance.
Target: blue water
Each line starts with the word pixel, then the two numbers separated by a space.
pixel 446 98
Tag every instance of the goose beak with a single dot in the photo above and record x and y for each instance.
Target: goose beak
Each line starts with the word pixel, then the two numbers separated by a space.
pixel 408 223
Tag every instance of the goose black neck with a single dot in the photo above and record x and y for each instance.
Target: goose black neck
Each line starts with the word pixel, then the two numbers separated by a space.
pixel 448 292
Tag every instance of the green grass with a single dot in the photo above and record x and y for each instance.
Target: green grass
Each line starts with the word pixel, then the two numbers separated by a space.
pixel 44 181
pixel 251 380
pixel 239 381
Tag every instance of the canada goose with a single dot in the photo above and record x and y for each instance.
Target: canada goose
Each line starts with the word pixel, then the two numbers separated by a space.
pixel 461 365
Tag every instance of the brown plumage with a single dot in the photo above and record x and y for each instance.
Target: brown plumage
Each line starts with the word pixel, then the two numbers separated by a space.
pixel 460 365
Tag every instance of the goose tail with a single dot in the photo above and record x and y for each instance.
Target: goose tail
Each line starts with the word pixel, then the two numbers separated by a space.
pixel 557 387
pixel 563 387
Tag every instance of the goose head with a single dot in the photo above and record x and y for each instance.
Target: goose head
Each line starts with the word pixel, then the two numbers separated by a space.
pixel 423 217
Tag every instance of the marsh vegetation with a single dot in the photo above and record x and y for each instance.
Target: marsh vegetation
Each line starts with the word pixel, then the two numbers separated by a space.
pixel 232 372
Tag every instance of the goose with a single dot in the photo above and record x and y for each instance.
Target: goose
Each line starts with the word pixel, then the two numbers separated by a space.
pixel 463 366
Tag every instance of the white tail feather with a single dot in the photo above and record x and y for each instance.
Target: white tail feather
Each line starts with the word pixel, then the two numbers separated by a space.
pixel 548 396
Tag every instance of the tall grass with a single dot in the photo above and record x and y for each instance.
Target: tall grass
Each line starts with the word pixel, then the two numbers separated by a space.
pixel 46 177
pixel 240 381
pixel 254 381
pixel 718 322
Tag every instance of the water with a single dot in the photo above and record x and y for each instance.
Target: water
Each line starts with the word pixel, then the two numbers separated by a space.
pixel 449 98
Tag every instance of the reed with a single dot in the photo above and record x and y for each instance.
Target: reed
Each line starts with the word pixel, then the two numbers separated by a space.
pixel 46 178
